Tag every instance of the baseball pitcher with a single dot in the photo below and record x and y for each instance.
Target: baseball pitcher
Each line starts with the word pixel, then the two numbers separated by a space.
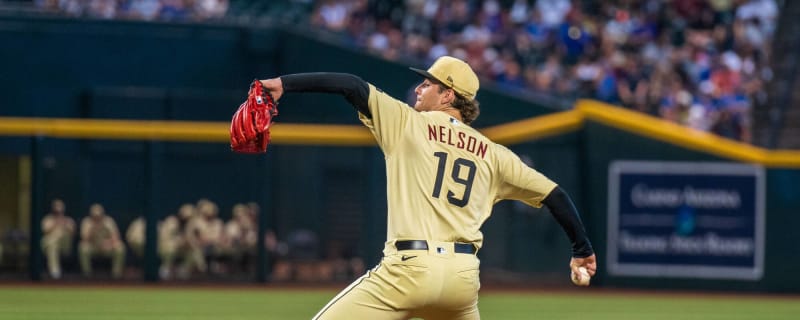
pixel 443 178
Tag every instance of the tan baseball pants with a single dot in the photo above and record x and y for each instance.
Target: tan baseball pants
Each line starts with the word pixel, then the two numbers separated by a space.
pixel 436 283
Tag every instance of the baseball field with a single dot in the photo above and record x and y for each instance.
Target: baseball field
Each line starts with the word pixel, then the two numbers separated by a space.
pixel 32 302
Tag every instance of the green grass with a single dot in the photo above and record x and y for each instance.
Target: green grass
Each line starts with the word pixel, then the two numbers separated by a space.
pixel 151 303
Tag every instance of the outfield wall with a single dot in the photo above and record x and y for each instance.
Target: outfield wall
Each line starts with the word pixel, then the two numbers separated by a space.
pixel 610 138
pixel 127 70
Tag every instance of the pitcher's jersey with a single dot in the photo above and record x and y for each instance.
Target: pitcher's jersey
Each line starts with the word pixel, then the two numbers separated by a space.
pixel 443 176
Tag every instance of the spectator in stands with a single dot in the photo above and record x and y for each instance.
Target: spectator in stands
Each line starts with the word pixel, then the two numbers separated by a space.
pixel 332 15
pixel 174 10
pixel 633 84
pixel 100 237
pixel 148 10
pixel 58 232
pixel 613 51
pixel 142 9
pixel 102 9
pixel 619 52
pixel 209 9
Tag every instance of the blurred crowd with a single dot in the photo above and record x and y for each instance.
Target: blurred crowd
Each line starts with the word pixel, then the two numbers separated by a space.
pixel 699 63
pixel 192 243
pixel 703 64
pixel 149 10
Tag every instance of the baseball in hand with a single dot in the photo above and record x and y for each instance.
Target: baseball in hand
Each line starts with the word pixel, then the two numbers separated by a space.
pixel 585 277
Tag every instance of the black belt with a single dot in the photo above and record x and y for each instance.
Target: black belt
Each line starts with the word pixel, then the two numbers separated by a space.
pixel 458 247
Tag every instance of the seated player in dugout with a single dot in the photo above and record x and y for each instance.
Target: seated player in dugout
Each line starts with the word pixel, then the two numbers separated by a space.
pixel 100 237
pixel 58 231
pixel 443 178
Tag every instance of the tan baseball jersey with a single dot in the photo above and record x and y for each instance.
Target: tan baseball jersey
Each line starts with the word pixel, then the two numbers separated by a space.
pixel 449 176
pixel 57 227
pixel 443 177
pixel 98 231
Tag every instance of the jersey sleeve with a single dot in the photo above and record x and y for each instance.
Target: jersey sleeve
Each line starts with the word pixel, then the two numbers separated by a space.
pixel 111 226
pixel 520 182
pixel 47 223
pixel 389 118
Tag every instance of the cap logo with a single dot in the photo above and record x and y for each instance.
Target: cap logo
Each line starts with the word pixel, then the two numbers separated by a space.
pixel 449 78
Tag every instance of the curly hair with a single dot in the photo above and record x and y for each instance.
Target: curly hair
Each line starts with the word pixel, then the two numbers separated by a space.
pixel 470 109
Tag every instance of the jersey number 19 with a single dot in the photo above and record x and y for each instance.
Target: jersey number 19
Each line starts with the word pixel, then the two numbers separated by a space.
pixel 458 164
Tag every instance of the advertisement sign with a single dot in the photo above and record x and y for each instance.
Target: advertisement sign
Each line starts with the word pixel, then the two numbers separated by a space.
pixel 686 219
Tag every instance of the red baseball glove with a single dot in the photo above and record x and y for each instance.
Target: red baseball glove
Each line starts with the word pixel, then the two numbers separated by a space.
pixel 250 124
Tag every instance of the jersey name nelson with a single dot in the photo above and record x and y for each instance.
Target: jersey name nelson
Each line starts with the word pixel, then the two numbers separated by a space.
pixel 457 139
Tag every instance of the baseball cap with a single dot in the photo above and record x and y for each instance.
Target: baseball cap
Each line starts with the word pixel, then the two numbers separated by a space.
pixel 453 73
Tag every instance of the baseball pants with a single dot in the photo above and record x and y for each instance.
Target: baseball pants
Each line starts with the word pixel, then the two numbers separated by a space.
pixel 54 248
pixel 436 283
pixel 88 250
